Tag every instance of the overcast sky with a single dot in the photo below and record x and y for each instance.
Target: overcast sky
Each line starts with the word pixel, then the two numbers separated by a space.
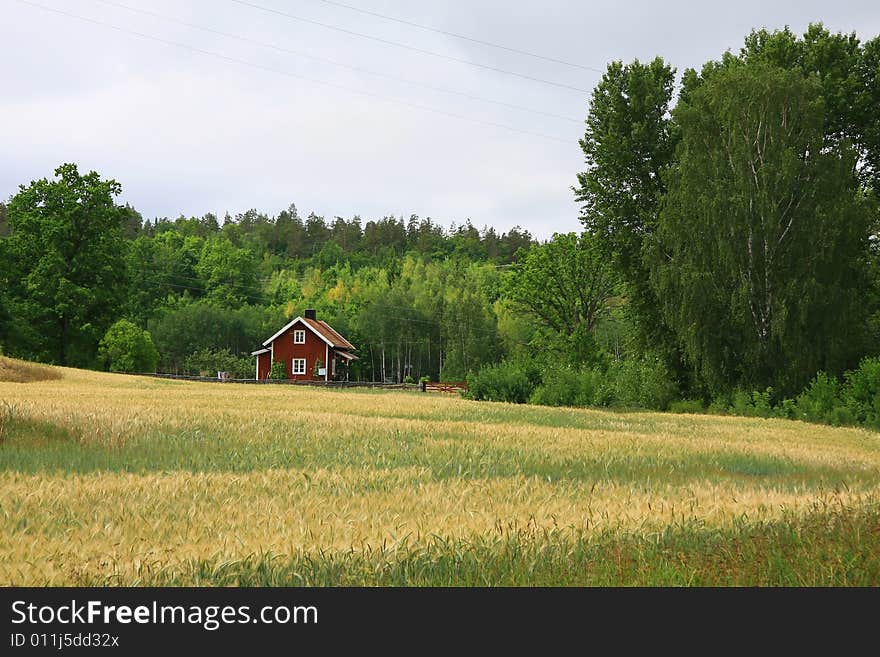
pixel 186 132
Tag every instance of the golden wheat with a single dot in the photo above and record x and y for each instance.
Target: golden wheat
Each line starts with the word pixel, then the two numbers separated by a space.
pixel 378 468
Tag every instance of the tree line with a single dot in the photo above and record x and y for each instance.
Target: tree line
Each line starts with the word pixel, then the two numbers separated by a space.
pixel 197 294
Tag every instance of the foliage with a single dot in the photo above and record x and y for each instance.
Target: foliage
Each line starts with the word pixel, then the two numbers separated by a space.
pixel 65 265
pixel 752 301
pixel 565 284
pixel 229 273
pixel 278 371
pixel 126 347
pixel 186 327
pixel 751 404
pixel 818 401
pixel 628 144
pixel 564 386
pixel 207 362
pixel 687 406
pixel 509 381
pixel 861 393
pixel 638 383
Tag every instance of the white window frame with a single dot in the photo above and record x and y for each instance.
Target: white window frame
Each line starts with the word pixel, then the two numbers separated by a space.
pixel 299 336
pixel 293 366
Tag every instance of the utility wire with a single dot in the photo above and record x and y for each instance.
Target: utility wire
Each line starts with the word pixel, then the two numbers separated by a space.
pixel 358 69
pixel 397 44
pixel 270 69
pixel 460 36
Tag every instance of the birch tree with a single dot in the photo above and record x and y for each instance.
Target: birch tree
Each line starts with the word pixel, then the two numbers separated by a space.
pixel 757 260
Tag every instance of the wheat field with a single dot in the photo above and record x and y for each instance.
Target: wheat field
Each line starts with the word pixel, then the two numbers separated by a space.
pixel 115 480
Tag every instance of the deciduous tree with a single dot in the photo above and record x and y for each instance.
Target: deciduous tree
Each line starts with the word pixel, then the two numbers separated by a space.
pixel 66 252
pixel 757 260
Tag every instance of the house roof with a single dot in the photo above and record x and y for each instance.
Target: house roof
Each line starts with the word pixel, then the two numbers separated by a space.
pixel 328 333
pixel 260 351
pixel 320 328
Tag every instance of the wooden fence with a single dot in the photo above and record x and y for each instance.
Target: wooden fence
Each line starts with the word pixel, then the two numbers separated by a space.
pixel 288 382
pixel 428 386
pixel 424 386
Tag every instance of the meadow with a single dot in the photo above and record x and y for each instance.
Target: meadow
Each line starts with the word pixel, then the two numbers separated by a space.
pixel 116 480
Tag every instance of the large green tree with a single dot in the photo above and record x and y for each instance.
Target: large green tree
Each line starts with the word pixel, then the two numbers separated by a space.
pixel 628 143
pixel 849 74
pixel 758 256
pixel 565 285
pixel 67 269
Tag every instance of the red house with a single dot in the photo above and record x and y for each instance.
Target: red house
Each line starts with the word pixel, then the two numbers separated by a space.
pixel 310 350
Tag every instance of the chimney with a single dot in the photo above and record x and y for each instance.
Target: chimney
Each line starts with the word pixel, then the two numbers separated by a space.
pixel 311 314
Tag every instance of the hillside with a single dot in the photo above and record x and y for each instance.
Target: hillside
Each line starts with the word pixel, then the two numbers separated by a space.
pixel 110 479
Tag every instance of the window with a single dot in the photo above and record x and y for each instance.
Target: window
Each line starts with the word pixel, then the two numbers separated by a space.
pixel 299 337
pixel 299 366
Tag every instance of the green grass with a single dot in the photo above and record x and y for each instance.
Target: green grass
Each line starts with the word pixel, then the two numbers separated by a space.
pixel 32 447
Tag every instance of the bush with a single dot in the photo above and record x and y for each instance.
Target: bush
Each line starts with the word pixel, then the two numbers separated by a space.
pixel 761 404
pixel 740 403
pixel 207 362
pixel 720 404
pixel 687 406
pixel 508 382
pixel 788 409
pixel 278 371
pixel 750 404
pixel 408 379
pixel 818 401
pixel 568 387
pixel 126 347
pixel 861 392
pixel 643 383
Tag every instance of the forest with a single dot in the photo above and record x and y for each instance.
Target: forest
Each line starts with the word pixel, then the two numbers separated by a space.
pixel 728 259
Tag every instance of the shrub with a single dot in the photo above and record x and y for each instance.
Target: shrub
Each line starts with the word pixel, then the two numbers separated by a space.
pixel 560 388
pixel 787 409
pixel 741 403
pixel 750 404
pixel 861 392
pixel 207 362
pixel 818 401
pixel 507 381
pixel 687 406
pixel 278 371
pixel 643 383
pixel 720 404
pixel 761 404
pixel 126 347
pixel 568 387
pixel 408 379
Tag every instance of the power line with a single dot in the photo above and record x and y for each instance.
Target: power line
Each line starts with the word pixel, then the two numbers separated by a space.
pixel 298 53
pixel 270 69
pixel 460 36
pixel 397 44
